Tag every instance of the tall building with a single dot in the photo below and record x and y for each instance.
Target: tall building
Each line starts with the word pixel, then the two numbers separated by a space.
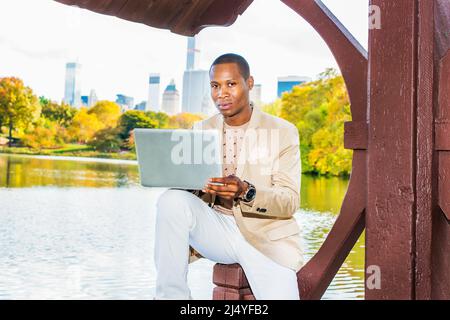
pixel 197 92
pixel 92 98
pixel 125 102
pixel 255 95
pixel 153 92
pixel 196 86
pixel 141 106
pixel 72 91
pixel 85 101
pixel 285 84
pixel 171 99
pixel 193 54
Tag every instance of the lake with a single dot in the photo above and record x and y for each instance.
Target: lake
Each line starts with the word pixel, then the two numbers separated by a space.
pixel 73 228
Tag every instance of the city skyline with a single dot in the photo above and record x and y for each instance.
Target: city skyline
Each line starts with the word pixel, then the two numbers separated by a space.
pixel 118 55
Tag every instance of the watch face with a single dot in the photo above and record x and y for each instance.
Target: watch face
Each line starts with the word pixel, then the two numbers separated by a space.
pixel 250 194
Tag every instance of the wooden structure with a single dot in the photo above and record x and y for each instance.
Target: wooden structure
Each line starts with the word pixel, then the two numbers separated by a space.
pixel 399 91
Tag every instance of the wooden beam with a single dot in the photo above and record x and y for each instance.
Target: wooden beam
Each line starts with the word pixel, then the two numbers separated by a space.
pixel 391 213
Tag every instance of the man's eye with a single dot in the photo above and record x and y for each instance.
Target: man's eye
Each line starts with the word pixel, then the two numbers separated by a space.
pixel 231 84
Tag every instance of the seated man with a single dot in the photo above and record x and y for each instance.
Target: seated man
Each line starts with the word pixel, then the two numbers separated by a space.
pixel 249 218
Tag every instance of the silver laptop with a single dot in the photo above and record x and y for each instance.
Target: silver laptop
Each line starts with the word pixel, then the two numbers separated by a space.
pixel 182 159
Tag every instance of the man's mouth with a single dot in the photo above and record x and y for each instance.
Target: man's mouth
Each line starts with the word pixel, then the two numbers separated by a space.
pixel 225 106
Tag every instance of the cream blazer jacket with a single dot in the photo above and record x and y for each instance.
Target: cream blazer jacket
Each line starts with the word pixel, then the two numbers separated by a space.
pixel 270 160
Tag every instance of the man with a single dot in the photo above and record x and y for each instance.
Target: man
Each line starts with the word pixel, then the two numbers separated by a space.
pixel 246 216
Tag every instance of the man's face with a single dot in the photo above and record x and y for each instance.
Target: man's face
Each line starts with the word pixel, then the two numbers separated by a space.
pixel 229 89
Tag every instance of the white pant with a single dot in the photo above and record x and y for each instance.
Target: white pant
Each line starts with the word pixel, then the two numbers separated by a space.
pixel 184 219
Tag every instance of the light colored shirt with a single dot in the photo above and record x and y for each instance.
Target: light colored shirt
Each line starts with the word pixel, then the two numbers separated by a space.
pixel 233 137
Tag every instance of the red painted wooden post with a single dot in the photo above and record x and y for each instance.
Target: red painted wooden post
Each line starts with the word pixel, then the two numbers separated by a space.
pixel 391 214
pixel 440 253
pixel 231 283
pixel 426 179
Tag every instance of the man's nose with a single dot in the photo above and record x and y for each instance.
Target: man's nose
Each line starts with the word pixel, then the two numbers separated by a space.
pixel 223 92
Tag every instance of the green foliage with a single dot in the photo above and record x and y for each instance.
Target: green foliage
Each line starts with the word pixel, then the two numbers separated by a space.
pixel 319 110
pixel 62 114
pixel 106 140
pixel 161 118
pixel 133 119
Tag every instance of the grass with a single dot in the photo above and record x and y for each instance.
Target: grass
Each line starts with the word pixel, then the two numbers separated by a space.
pixel 70 150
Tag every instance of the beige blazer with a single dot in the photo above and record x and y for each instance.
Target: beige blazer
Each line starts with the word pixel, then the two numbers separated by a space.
pixel 270 160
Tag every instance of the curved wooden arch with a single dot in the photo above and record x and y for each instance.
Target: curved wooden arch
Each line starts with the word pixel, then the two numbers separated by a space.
pixel 316 275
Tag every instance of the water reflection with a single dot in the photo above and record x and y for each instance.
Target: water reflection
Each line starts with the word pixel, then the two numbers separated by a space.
pixel 83 229
pixel 30 171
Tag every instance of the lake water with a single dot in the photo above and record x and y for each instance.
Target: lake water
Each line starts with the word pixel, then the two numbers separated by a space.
pixel 74 228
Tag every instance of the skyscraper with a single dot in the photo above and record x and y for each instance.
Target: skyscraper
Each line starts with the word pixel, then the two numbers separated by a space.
pixel 92 98
pixel 141 106
pixel 196 87
pixel 125 102
pixel 72 91
pixel 285 84
pixel 193 54
pixel 196 92
pixel 153 92
pixel 85 101
pixel 171 99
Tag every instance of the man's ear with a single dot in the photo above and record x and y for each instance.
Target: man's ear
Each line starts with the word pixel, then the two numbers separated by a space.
pixel 250 83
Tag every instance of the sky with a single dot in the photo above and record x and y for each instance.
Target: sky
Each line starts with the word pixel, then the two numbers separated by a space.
pixel 38 37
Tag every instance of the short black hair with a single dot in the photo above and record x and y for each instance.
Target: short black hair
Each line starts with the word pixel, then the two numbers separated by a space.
pixel 242 64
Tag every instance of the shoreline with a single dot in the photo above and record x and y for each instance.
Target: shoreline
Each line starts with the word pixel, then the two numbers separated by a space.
pixel 71 158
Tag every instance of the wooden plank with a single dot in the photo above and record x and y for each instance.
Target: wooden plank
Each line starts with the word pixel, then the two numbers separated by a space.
pixel 390 217
pixel 426 177
pixel 443 134
pixel 355 135
pixel 230 275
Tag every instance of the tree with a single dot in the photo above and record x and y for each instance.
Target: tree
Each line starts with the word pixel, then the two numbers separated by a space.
pixel 62 114
pixel 106 140
pixel 319 109
pixel 184 120
pixel 18 105
pixel 273 108
pixel 161 118
pixel 133 119
pixel 107 112
pixel 84 126
pixel 44 134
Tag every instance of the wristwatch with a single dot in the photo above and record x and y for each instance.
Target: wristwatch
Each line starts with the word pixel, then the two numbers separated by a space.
pixel 250 194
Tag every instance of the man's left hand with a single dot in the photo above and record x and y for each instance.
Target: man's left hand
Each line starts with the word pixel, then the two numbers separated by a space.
pixel 232 187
